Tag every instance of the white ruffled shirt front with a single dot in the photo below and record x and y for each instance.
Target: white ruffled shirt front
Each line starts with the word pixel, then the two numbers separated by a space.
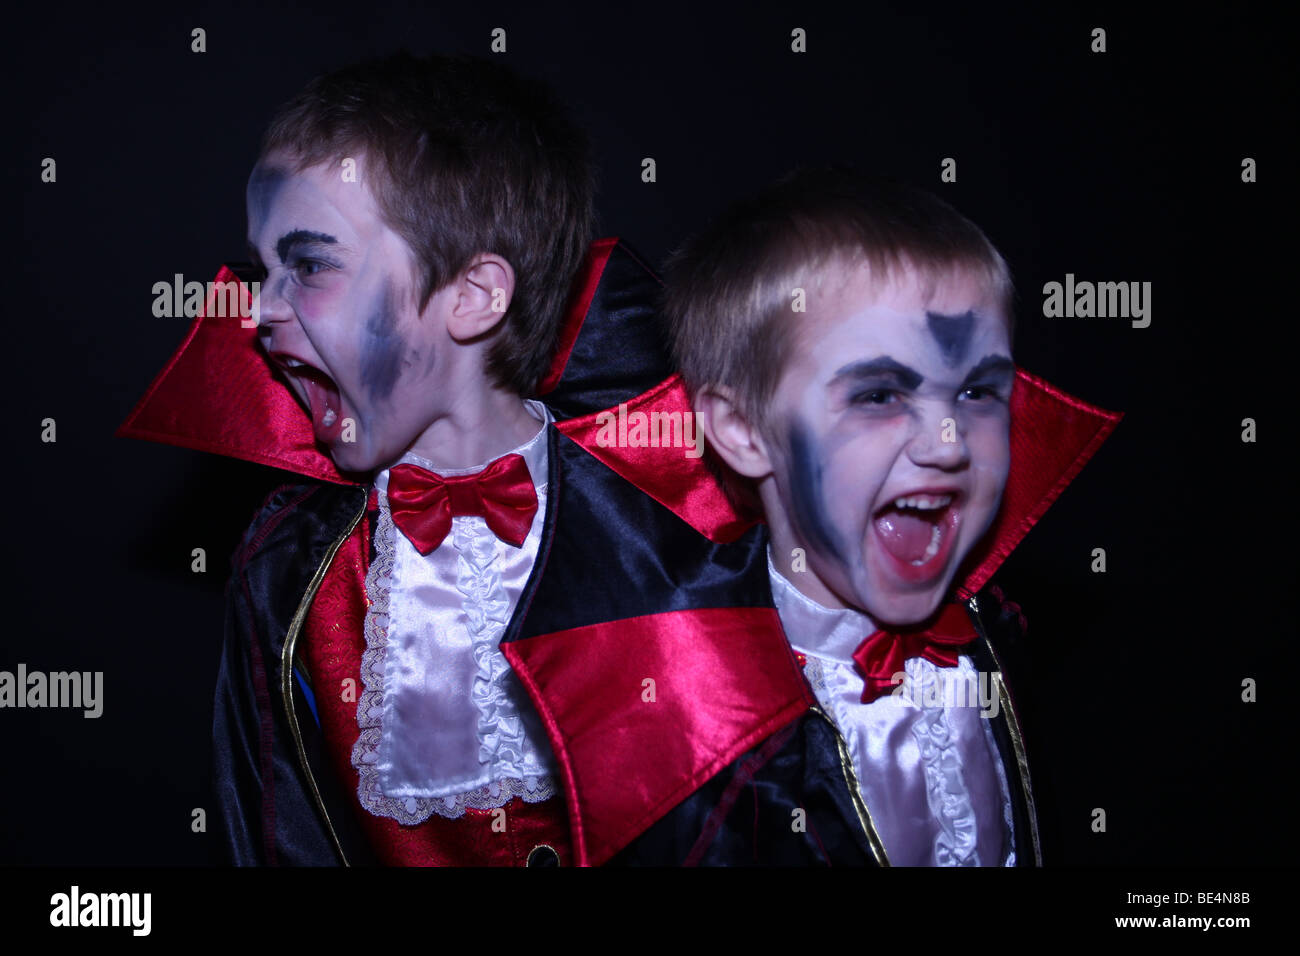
pixel 925 759
pixel 445 724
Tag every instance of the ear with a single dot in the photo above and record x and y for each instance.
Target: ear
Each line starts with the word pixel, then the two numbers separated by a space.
pixel 729 433
pixel 480 297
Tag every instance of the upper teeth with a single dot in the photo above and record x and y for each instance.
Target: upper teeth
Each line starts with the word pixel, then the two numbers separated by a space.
pixel 924 502
pixel 293 363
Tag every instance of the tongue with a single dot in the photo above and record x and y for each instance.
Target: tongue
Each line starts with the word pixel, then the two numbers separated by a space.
pixel 904 534
pixel 323 397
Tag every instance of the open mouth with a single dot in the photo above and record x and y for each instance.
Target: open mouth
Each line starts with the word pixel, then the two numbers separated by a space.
pixel 322 396
pixel 918 531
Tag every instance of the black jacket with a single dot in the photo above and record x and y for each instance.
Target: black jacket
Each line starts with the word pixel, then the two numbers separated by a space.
pixel 280 802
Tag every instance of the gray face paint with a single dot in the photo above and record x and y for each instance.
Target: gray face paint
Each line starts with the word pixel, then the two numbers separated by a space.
pixel 382 346
pixel 413 359
pixel 952 333
pixel 806 492
pixel 264 185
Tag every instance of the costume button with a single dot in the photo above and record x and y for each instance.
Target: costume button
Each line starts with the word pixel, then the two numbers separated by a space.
pixel 543 855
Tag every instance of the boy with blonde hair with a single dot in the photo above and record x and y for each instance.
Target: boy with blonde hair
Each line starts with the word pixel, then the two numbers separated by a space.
pixel 847 345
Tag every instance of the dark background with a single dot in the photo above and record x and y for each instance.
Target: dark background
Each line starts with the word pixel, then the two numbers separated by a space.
pixel 1117 166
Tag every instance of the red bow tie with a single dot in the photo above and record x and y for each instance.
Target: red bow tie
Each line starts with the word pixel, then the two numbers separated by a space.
pixel 881 655
pixel 423 503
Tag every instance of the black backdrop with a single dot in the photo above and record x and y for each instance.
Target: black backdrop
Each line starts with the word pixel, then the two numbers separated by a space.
pixel 1117 166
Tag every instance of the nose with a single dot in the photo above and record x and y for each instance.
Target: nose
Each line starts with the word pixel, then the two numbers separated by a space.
pixel 270 305
pixel 940 441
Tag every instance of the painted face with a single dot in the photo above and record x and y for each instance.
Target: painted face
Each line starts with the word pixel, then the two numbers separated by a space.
pixel 338 313
pixel 889 440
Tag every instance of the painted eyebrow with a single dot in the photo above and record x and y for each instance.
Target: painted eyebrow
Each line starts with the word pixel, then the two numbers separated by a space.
pixel 300 237
pixel 990 365
pixel 885 366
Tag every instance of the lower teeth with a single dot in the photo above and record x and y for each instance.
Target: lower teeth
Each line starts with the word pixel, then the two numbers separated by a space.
pixel 328 418
pixel 931 549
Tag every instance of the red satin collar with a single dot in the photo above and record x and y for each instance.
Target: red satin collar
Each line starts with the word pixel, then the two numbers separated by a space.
pixel 219 394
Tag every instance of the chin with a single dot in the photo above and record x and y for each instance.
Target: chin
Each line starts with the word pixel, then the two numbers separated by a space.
pixel 348 457
pixel 889 602
pixel 904 611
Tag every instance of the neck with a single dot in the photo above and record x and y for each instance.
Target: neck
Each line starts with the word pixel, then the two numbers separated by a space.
pixel 475 430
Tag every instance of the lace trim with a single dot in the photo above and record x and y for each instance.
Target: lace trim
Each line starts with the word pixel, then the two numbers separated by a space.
pixel 812 671
pixel 370 708
pixel 945 789
pixel 500 730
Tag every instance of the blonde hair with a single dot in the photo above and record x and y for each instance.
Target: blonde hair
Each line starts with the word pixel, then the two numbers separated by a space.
pixel 728 289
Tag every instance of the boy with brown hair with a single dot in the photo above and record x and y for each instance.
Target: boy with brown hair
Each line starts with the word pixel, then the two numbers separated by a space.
pixel 417 224
pixel 470 630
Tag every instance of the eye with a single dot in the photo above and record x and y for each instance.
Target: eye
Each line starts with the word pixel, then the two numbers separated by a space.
pixel 874 396
pixel 309 267
pixel 978 393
